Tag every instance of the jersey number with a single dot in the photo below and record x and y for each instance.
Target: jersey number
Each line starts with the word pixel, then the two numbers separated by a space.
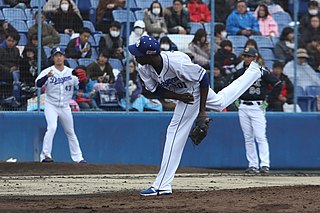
pixel 68 88
pixel 181 85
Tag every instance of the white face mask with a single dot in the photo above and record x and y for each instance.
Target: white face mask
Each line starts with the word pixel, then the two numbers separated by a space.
pixel 290 44
pixel 165 47
pixel 313 12
pixel 224 34
pixel 156 11
pixel 138 31
pixel 64 7
pixel 114 33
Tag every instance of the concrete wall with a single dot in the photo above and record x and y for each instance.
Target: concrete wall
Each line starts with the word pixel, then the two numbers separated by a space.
pixel 138 138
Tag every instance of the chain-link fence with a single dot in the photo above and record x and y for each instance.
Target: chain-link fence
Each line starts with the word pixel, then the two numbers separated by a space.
pixel 95 34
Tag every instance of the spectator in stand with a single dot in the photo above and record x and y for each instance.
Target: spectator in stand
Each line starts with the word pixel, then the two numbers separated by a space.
pixel 313 10
pixel 222 10
pixel 220 81
pixel 312 29
pixel 50 37
pixel 80 47
pixel 177 18
pixel 137 100
pixel 6 28
pixel 284 48
pixel 154 20
pixel 267 25
pixel 112 42
pixel 104 13
pixel 51 7
pixel 200 49
pixel 240 22
pixel 199 11
pixel 313 49
pixel 100 71
pixel 137 32
pixel 286 94
pixel 220 34
pixel 33 44
pixel 225 57
pixel 167 45
pixel 66 20
pixel 252 43
pixel 9 66
pixel 306 76
pixel 22 4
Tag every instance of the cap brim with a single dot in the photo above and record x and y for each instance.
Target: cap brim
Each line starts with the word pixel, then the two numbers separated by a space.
pixel 58 52
pixel 134 50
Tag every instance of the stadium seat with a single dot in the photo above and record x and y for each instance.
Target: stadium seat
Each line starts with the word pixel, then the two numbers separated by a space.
pixel 194 26
pixel 238 41
pixel 275 40
pixel 121 16
pixel 30 23
pixel 166 3
pixel 72 63
pixel 20 26
pixel 143 4
pixel 267 54
pixel 207 26
pixel 94 54
pixel 30 13
pixel 305 101
pixel 94 3
pixel 1 16
pixel 97 38
pixel 283 19
pixel 47 50
pixel 313 91
pixel 263 41
pixel 139 14
pixel 181 40
pixel 35 3
pixel 92 41
pixel 23 39
pixel 89 24
pixel 116 63
pixel 64 39
pixel 85 61
pixel 14 14
pixel 237 51
pixel 269 64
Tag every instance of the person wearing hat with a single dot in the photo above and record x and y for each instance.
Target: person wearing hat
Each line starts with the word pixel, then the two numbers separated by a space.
pixel 305 75
pixel 172 75
pixel 137 32
pixel 252 107
pixel 59 83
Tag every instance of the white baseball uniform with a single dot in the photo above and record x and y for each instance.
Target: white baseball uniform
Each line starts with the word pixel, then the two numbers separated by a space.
pixel 59 92
pixel 180 75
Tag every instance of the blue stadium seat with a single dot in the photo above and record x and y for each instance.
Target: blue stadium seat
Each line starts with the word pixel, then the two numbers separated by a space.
pixel 94 3
pixel 305 101
pixel 23 39
pixel 20 26
pixel 283 19
pixel 238 41
pixel 313 90
pixel 94 54
pixel 89 25
pixel 275 40
pixel 237 51
pixel 194 26
pixel 143 4
pixel 263 41
pixel 139 14
pixel 35 3
pixel 72 63
pixel 64 39
pixel 181 40
pixel 207 26
pixel 269 64
pixel 133 5
pixel 2 5
pixel 92 41
pixel 1 16
pixel 47 50
pixel 14 14
pixel 121 16
pixel 85 61
pixel 30 13
pixel 30 23
pixel 116 63
pixel 166 3
pixel 97 38
pixel 267 54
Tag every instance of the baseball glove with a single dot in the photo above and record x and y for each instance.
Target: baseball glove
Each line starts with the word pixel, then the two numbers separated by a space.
pixel 200 130
pixel 81 74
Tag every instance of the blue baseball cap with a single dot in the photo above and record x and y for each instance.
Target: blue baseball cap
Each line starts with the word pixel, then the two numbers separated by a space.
pixel 146 45
pixel 57 50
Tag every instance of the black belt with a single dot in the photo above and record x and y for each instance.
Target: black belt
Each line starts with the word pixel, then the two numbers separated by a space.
pixel 251 102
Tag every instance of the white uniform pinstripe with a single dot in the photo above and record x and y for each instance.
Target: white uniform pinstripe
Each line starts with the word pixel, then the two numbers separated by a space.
pixel 180 75
pixel 59 91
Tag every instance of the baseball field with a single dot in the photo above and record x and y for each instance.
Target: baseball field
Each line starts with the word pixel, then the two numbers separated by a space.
pixel 71 187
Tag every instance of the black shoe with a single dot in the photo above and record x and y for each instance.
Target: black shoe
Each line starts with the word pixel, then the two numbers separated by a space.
pixel 252 170
pixel 47 160
pixel 264 170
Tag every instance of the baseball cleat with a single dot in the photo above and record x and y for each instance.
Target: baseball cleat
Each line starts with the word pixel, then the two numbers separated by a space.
pixel 252 170
pixel 264 170
pixel 83 161
pixel 152 192
pixel 47 160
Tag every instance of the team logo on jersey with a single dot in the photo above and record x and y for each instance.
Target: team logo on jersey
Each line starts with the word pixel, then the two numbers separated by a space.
pixel 55 80
pixel 169 81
